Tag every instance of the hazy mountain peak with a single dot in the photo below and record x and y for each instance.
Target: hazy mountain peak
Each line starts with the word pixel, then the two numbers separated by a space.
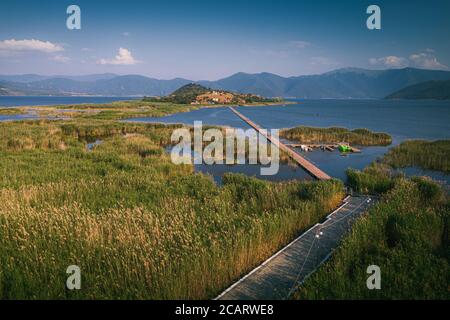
pixel 341 83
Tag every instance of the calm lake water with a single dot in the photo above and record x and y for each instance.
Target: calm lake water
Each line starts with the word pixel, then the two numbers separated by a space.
pixel 401 119
pixel 13 101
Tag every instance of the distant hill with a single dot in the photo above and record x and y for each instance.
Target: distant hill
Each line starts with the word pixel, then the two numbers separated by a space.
pixel 187 93
pixel 129 85
pixel 340 84
pixel 136 85
pixel 89 77
pixel 194 93
pixel 265 84
pixel 439 90
pixel 22 78
pixel 347 83
pixel 26 78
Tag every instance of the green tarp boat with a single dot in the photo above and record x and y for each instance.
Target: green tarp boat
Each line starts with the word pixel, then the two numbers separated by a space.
pixel 344 148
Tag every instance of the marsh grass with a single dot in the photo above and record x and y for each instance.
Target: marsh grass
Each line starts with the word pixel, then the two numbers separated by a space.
pixel 361 137
pixel 432 155
pixel 139 226
pixel 11 111
pixel 377 178
pixel 118 110
pixel 109 111
pixel 406 235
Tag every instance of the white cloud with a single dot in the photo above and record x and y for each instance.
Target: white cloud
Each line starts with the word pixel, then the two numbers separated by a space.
pixel 390 61
pixel 13 45
pixel 126 34
pixel 60 58
pixel 426 61
pixel 123 58
pixel 299 44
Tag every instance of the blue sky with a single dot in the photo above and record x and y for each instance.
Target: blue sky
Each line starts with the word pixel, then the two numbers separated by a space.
pixel 198 39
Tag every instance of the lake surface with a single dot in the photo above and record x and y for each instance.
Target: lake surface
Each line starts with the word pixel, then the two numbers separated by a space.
pixel 14 101
pixel 16 117
pixel 401 119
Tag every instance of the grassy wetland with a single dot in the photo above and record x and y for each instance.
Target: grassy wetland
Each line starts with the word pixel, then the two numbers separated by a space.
pixel 362 137
pixel 379 177
pixel 406 234
pixel 108 111
pixel 432 155
pixel 138 226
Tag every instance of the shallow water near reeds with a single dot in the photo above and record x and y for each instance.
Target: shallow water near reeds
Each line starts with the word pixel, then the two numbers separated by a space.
pixel 403 120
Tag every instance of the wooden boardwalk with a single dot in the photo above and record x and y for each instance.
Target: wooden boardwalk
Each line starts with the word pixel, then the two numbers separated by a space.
pixel 305 164
pixel 278 276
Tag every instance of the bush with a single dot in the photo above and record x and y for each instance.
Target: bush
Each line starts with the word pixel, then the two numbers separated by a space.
pixel 313 191
pixel 244 187
pixel 430 191
pixel 392 230
pixel 375 179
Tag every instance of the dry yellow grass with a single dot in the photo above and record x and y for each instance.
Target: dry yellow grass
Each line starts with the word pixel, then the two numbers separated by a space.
pixel 138 226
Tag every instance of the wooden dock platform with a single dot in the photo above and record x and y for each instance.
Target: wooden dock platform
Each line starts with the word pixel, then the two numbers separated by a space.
pixel 279 276
pixel 305 164
pixel 328 147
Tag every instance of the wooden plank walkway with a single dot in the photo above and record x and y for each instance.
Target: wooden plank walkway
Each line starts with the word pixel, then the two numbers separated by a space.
pixel 278 276
pixel 305 164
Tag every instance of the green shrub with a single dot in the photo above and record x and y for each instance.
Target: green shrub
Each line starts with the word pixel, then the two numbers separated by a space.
pixel 244 187
pixel 314 191
pixel 375 179
pixel 392 229
pixel 430 191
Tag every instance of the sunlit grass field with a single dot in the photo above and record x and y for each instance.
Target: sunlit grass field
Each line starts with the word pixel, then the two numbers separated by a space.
pixel 107 111
pixel 406 234
pixel 138 226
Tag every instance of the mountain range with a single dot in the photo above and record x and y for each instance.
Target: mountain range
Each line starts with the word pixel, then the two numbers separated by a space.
pixel 424 90
pixel 346 83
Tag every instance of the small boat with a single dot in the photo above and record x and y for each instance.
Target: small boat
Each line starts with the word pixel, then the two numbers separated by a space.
pixel 306 148
pixel 344 148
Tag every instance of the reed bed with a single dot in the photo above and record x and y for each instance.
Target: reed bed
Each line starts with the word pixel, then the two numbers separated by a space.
pixel 377 178
pixel 138 226
pixel 432 155
pixel 362 137
pixel 406 234
pixel 11 111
